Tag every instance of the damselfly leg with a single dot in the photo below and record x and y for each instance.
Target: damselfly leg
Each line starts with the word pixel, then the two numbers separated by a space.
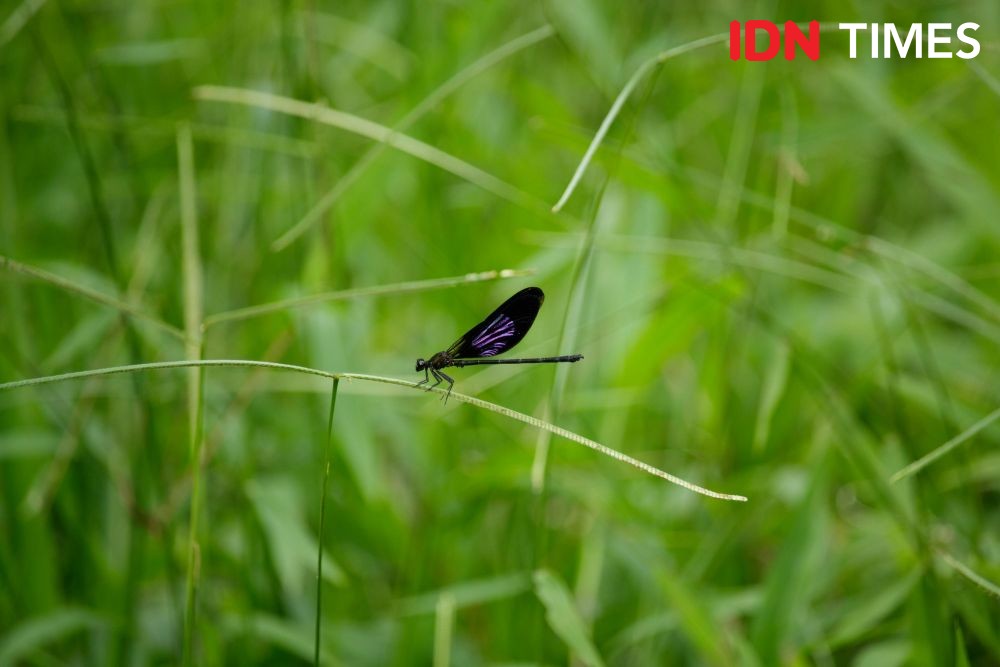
pixel 437 378
pixel 450 381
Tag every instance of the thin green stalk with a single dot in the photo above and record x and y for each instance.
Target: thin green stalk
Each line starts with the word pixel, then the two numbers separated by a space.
pixel 194 548
pixel 645 68
pixel 574 307
pixel 970 574
pixel 572 312
pixel 938 452
pixel 322 516
pixel 619 102
pixel 455 396
pixel 193 315
pixel 376 290
pixel 444 626
pixel 539 465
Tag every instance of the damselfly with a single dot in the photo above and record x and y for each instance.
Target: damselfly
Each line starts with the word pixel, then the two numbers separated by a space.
pixel 501 330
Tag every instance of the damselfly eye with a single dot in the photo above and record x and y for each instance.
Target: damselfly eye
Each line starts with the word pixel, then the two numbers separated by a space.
pixel 420 364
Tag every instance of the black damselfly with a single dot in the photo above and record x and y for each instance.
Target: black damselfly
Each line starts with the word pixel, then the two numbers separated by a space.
pixel 501 330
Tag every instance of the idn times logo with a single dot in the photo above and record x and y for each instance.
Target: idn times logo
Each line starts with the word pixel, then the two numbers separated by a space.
pixel 874 40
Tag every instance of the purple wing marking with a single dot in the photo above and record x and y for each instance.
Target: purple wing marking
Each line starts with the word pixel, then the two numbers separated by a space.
pixel 492 339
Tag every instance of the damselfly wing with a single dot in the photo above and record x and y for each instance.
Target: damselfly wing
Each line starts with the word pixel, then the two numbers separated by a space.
pixel 502 329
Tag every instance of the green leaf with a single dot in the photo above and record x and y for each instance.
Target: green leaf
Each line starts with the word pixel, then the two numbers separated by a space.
pixel 293 547
pixel 39 632
pixel 82 339
pixel 869 610
pixel 33 443
pixel 961 656
pixel 564 618
pixel 931 644
pixel 695 619
pixel 948 171
pixel 468 593
pixel 788 588
pixel 589 34
pixel 886 654
pixel 774 387
pixel 296 639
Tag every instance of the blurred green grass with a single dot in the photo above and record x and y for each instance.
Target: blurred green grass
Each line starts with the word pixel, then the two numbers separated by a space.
pixel 783 277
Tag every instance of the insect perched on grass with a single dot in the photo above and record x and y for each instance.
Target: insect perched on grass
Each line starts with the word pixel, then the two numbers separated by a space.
pixel 501 330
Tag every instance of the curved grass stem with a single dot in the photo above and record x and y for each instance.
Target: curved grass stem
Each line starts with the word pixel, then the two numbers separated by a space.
pixel 640 73
pixel 471 400
pixel 75 287
pixel 327 201
pixel 938 452
pixel 376 290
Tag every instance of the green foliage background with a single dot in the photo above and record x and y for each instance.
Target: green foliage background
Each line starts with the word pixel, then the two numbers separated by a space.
pixel 783 276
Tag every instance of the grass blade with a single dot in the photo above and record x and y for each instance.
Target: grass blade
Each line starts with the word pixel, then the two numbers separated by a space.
pixel 375 131
pixel 327 201
pixel 17 20
pixel 468 593
pixel 616 107
pixel 376 290
pixel 191 269
pixel 937 453
pixel 88 293
pixel 322 517
pixel 444 624
pixel 645 68
pixel 34 634
pixel 499 409
pixel 970 574
pixel 564 618
pixel 775 381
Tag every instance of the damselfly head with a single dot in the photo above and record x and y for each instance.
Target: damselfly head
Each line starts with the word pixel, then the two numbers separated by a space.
pixel 421 364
